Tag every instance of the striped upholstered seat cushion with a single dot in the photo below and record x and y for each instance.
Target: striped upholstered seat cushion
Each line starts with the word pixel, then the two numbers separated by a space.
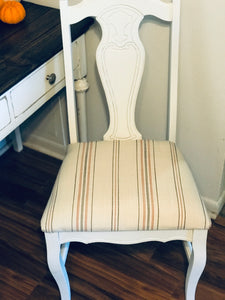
pixel 124 185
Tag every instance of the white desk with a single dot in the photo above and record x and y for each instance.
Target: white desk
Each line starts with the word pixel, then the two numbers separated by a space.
pixel 29 89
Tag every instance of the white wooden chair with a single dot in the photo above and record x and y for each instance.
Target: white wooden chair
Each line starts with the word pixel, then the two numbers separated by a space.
pixel 124 189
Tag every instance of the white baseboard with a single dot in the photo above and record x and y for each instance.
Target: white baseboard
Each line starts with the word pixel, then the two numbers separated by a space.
pixel 214 207
pixel 46 146
pixel 5 148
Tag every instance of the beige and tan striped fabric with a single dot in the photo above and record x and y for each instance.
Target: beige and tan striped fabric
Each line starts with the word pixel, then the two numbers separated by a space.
pixel 124 185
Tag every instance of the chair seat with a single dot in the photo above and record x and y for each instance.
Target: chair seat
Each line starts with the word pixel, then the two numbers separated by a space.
pixel 124 185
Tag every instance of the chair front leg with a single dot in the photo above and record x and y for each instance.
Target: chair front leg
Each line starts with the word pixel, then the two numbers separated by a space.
pixel 196 263
pixel 56 264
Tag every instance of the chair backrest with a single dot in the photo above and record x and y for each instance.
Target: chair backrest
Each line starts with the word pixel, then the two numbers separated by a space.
pixel 120 58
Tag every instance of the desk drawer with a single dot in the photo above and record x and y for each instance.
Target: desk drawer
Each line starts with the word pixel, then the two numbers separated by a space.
pixel 35 86
pixel 4 113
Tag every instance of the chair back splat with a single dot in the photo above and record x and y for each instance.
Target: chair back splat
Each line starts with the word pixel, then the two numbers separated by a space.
pixel 121 52
pixel 123 189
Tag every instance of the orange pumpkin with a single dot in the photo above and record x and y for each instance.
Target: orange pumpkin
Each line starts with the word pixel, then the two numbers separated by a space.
pixel 12 12
pixel 1 3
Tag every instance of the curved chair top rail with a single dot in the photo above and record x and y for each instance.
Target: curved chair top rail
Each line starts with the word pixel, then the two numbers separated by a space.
pixel 95 8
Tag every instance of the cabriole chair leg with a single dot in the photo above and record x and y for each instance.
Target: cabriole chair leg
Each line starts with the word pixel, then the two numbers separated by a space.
pixel 56 264
pixel 196 263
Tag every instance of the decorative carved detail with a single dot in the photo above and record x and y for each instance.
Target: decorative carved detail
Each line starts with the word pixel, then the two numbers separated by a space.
pixel 120 78
pixel 119 33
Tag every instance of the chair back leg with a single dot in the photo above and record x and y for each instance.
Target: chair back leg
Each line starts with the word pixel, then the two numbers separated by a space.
pixel 56 264
pixel 196 263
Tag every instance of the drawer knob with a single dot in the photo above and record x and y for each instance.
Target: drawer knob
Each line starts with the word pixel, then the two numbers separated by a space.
pixel 51 78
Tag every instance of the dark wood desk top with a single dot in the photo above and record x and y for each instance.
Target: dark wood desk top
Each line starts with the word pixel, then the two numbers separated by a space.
pixel 27 45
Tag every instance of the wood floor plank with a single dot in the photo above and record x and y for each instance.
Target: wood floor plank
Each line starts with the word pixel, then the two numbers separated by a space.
pixel 7 292
pixel 148 271
pixel 18 282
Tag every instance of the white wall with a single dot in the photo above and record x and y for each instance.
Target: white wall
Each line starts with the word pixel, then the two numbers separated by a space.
pixel 201 119
pixel 202 92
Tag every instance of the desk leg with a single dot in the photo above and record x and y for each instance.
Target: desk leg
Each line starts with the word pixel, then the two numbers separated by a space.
pixel 17 140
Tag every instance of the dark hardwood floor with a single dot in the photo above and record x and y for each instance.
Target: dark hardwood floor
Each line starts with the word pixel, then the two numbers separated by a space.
pixel 98 271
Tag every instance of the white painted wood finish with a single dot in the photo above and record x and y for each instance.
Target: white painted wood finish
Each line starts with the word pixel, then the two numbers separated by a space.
pixel 56 262
pixel 5 115
pixel 58 245
pixel 31 93
pixel 68 58
pixel 26 97
pixel 196 263
pixel 129 62
pixel 173 78
pixel 121 80
pixel 36 85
